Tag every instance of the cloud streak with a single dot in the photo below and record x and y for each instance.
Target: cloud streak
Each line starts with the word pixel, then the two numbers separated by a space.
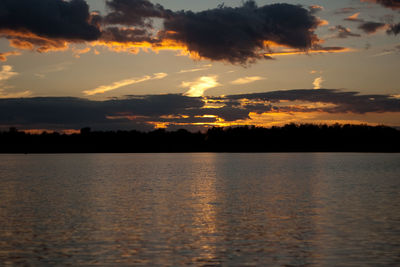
pixel 116 85
pixel 246 80
pixel 205 67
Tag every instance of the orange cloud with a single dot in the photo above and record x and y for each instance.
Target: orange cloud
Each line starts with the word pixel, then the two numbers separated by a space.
pixel 29 41
pixel 156 46
pixel 78 52
pixel 3 56
pixel 353 17
pixel 320 50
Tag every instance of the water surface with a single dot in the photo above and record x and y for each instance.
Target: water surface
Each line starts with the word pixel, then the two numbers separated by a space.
pixel 294 209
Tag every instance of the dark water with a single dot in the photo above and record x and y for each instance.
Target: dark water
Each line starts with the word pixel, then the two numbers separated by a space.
pixel 200 209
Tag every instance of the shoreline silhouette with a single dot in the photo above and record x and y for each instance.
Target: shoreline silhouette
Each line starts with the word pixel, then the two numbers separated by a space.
pixel 288 138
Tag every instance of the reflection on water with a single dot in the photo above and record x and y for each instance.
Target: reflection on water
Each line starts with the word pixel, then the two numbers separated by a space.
pixel 200 209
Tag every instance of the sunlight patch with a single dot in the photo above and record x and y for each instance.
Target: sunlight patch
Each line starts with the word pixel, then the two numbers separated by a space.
pixel 198 87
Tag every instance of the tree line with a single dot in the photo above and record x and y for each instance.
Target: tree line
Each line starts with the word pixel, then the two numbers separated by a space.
pixel 288 138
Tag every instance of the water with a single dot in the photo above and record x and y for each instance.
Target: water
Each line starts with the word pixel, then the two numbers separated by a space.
pixel 315 209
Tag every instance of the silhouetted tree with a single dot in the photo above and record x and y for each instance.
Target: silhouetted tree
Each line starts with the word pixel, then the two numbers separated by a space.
pixel 289 138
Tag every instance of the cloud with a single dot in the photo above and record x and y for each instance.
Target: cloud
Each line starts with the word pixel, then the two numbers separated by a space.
pixel 394 29
pixel 78 52
pixel 3 56
pixel 145 111
pixel 204 67
pixel 53 68
pixel 106 88
pixel 354 17
pixel 246 80
pixel 315 9
pixel 15 94
pixel 7 73
pixel 315 50
pixel 371 27
pixel 28 23
pixel 30 41
pixel 126 35
pixel 315 71
pixel 386 52
pixel 132 112
pixel 198 87
pixel 343 32
pixel 134 12
pixel 342 102
pixel 393 4
pixel 237 35
pixel 345 10
pixel 317 82
pixel 49 18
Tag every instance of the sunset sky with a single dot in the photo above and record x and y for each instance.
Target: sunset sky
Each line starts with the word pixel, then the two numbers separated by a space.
pixel 139 64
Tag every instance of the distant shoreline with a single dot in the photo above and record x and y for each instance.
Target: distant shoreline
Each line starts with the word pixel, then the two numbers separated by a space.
pixel 291 138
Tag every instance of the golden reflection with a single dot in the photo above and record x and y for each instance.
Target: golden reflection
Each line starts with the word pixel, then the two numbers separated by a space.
pixel 204 193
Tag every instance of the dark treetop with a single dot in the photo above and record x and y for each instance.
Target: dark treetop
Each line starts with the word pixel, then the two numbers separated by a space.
pixel 289 138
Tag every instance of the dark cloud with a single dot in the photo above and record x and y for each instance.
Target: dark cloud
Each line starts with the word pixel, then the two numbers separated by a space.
pixel 315 9
pixel 393 4
pixel 48 18
pixel 237 35
pixel 371 27
pixel 124 35
pixel 346 10
pixel 75 113
pixel 134 12
pixel 143 112
pixel 332 49
pixel 394 29
pixel 343 101
pixel 343 32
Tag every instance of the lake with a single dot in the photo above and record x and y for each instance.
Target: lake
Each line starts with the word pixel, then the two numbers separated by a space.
pixel 205 209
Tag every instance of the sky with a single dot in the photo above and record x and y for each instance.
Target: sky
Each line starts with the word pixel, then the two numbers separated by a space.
pixel 140 64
